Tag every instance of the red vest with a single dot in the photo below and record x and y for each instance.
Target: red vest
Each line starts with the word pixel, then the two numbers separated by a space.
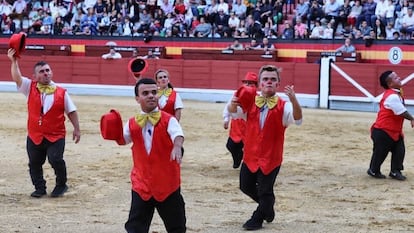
pixel 263 148
pixel 386 119
pixel 237 129
pixel 52 125
pixel 155 174
pixel 169 106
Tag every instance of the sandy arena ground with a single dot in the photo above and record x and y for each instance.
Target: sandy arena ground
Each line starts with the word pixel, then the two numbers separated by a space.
pixel 322 185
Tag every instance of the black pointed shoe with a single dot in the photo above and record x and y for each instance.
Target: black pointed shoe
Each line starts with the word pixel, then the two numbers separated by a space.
pixel 59 190
pixel 270 217
pixel 253 224
pixel 397 175
pixel 38 193
pixel 377 175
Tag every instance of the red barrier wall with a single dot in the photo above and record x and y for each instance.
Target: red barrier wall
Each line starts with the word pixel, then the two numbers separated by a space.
pixel 208 74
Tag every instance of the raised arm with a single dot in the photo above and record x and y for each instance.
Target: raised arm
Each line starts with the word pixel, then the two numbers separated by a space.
pixel 15 70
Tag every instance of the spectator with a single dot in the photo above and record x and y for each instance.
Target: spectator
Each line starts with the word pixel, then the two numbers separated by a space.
pixel 223 6
pixel 236 45
pixel 266 11
pixel 390 13
pixel 90 20
pixel 254 28
pixel 221 23
pixel 344 11
pixel 100 8
pixel 103 26
pixel 252 45
pixel 239 9
pixel 266 46
pixel 19 10
pixel 301 32
pixel 315 12
pixel 203 29
pixel 234 22
pixel 77 16
pixel 347 47
pixel 317 31
pixel 379 29
pixel 6 30
pixel 365 28
pixel 288 32
pixel 166 7
pixel 328 31
pixel 277 12
pixel 211 11
pixel 407 23
pixel 112 54
pixel 127 27
pixel 368 10
pixel 389 31
pixel 380 12
pixel 331 10
pixel 150 55
pixel 356 11
pixel 5 10
pixel 58 26
pixel 301 11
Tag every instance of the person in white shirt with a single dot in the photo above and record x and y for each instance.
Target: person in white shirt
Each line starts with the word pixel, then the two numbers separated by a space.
pixel 112 54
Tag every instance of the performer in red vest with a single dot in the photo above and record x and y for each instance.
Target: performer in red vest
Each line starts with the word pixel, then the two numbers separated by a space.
pixel 47 104
pixel 168 99
pixel 386 132
pixel 156 138
pixel 267 117
pixel 237 126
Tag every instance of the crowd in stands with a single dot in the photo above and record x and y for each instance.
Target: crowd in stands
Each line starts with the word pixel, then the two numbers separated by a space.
pixel 286 19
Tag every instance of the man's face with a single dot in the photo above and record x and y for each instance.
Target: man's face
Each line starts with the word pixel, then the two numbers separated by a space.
pixel 147 97
pixel 43 74
pixel 269 83
pixel 394 81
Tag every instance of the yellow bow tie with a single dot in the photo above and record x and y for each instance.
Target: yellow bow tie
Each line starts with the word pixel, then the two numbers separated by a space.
pixel 47 89
pixel 269 101
pixel 165 92
pixel 152 117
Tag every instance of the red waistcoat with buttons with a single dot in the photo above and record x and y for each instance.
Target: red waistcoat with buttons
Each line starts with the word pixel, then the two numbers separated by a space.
pixel 154 174
pixel 169 106
pixel 263 148
pixel 237 129
pixel 50 125
pixel 386 119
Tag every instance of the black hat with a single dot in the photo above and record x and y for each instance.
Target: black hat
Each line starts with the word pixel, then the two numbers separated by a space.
pixel 383 79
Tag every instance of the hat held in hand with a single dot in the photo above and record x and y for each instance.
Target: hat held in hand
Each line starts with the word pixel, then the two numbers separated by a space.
pixel 246 96
pixel 111 127
pixel 18 43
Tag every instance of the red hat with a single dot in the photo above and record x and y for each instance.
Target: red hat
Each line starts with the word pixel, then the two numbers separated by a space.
pixel 246 95
pixel 137 66
pixel 18 42
pixel 111 127
pixel 250 76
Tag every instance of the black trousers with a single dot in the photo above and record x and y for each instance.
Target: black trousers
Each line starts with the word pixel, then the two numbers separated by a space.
pixel 171 211
pixel 53 151
pixel 383 144
pixel 236 150
pixel 259 187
